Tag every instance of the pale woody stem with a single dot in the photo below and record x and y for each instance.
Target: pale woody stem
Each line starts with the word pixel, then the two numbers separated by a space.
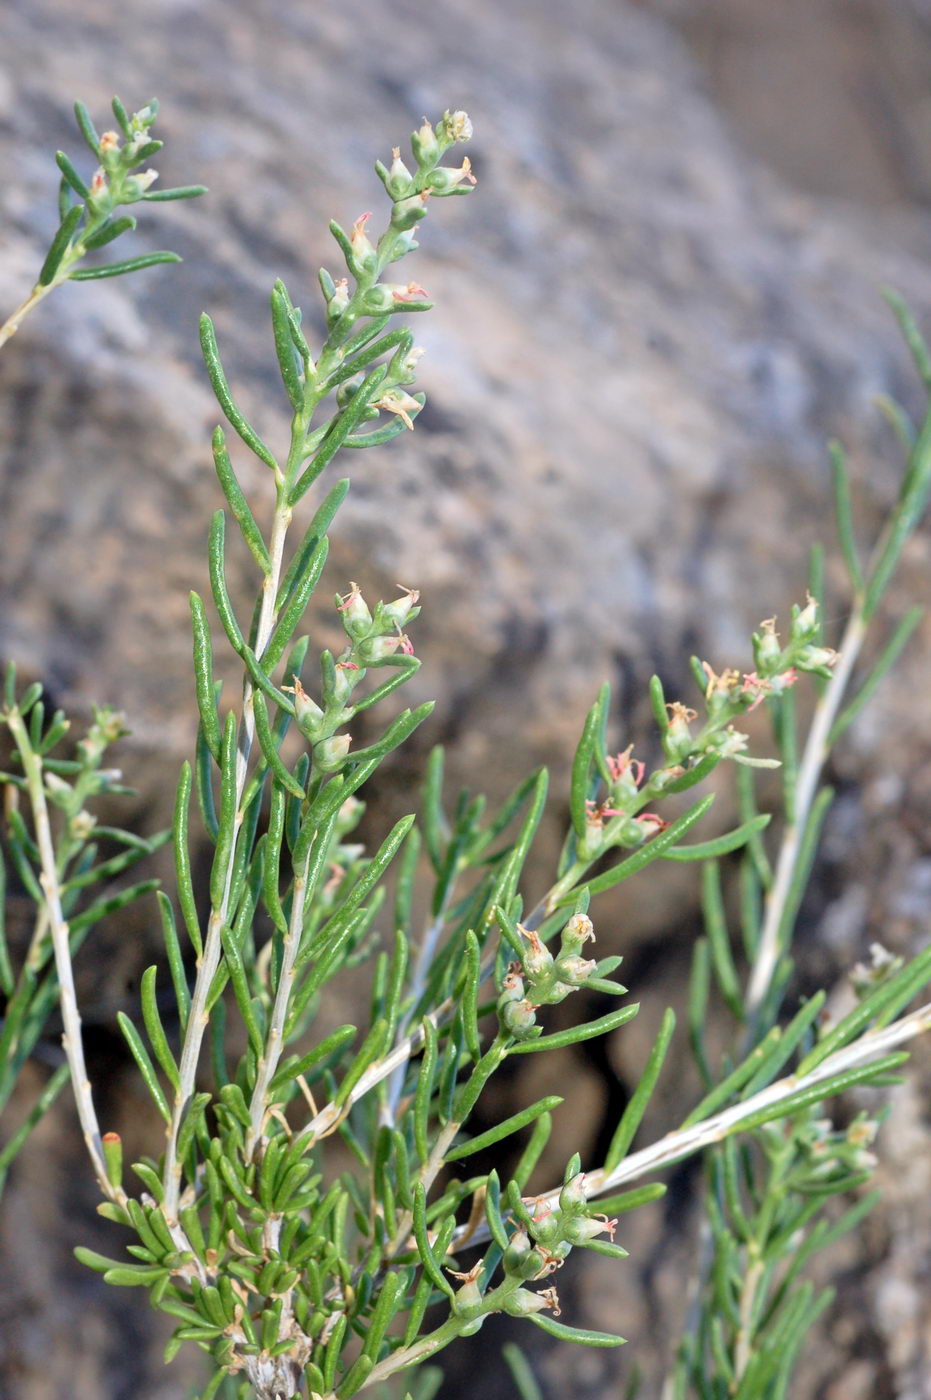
pixel 332 1114
pixel 678 1145
pixel 428 1174
pixel 418 984
pixel 274 1042
pixel 13 322
pixel 745 1334
pixel 210 959
pixel 71 1040
pixel 809 773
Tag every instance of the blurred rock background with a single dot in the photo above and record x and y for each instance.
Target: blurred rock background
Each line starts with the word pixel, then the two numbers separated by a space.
pixel 661 303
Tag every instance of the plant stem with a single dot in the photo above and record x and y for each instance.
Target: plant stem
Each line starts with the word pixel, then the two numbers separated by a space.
pixel 274 1041
pixel 676 1146
pixel 816 751
pixel 422 967
pixel 213 945
pixel 72 1040
pixel 13 322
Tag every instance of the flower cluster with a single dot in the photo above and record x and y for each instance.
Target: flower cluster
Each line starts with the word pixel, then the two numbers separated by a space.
pixel 866 977
pixel 547 1231
pixel 366 261
pixel 114 182
pixel 621 815
pixel 541 978
pixel 85 777
pixel 375 639
pixel 829 1158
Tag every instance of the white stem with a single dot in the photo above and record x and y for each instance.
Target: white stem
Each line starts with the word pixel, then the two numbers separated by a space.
pixel 13 322
pixel 72 1039
pixel 209 961
pixel 333 1114
pixel 684 1143
pixel 427 1175
pixel 418 985
pixel 274 1040
pixel 809 774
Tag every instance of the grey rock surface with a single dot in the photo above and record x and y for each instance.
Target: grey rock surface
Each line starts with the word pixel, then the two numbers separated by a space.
pixel 642 341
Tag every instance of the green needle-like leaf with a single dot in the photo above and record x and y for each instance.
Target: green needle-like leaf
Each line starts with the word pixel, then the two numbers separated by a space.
pixel 117 269
pixel 572 1035
pixel 237 420
pixel 637 1105
pixel 504 1129
pixel 719 845
pixel 146 1068
pixel 580 1335
pixel 60 244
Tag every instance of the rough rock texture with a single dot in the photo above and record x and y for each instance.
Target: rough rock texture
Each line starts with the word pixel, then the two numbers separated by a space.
pixel 642 341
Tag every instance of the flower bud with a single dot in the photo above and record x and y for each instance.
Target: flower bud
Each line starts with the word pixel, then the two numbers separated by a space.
pixel 377 300
pixel 586 1227
pixel 306 711
pixel 99 198
pixel 626 775
pixel 361 243
pixel 521 1260
pixel 817 659
pixel 882 965
pixel 424 144
pixel 678 742
pixel 662 778
pixel 523 1302
pixel 59 792
pixel 766 648
pixel 518 1017
pixel 537 959
pixel 337 303
pixel 136 186
pixel 805 621
pixel 356 618
pixel 344 680
pixel 467 1301
pixel 109 724
pixel 445 179
pixel 405 243
pixel 348 389
pixel 591 844
pixel 407 369
pixel 408 212
pixel 377 651
pixel 349 816
pixel 576 934
pixel 399 179
pixel 512 986
pixel 575 970
pixel 572 1197
pixel 81 825
pixel 330 754
pixel 730 742
pixel 546 1225
pixel 402 609
pixel 143 119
